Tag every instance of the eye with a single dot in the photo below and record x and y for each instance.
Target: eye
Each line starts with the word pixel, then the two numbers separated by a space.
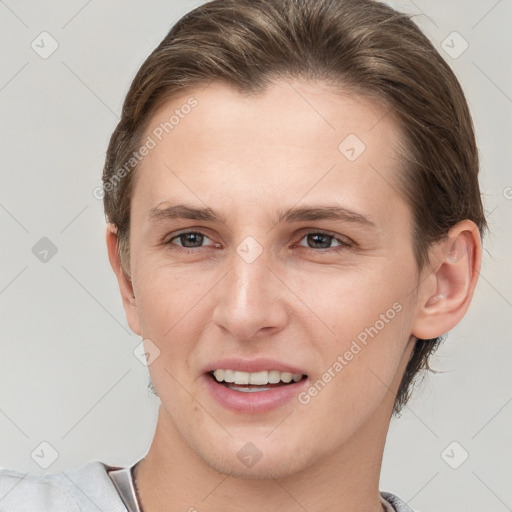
pixel 319 240
pixel 188 240
pixel 315 240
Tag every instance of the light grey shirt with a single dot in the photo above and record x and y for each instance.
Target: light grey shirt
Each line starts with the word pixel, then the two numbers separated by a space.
pixel 89 488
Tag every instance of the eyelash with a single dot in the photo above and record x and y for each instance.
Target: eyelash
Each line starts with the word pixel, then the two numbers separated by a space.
pixel 343 244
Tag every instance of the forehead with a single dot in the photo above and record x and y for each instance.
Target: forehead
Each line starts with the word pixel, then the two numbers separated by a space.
pixel 296 141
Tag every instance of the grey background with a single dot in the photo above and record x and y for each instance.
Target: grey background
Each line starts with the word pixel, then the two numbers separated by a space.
pixel 68 375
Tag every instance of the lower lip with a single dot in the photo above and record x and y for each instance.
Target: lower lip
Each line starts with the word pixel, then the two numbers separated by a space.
pixel 256 401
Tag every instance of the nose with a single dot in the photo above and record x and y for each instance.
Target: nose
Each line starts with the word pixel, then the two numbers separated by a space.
pixel 250 300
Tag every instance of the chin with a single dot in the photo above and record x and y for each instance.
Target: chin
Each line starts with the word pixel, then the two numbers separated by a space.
pixel 276 465
pixel 259 459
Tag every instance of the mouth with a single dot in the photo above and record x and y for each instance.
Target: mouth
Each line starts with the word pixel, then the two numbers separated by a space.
pixel 253 382
pixel 254 387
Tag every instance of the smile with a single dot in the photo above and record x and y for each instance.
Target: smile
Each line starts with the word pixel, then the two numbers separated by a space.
pixel 253 392
pixel 254 381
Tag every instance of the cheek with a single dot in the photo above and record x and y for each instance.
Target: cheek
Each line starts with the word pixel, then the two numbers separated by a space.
pixel 171 308
pixel 371 316
pixel 353 301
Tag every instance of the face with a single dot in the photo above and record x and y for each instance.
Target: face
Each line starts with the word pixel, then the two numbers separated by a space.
pixel 269 242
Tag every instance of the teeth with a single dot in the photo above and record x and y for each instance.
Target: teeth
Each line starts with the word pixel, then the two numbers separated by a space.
pixel 241 378
pixel 286 377
pixel 256 378
pixel 274 376
pixel 229 375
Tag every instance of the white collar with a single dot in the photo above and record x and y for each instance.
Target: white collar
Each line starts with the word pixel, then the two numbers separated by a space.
pixel 123 482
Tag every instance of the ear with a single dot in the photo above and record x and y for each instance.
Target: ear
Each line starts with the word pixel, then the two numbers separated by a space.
pixel 447 286
pixel 123 278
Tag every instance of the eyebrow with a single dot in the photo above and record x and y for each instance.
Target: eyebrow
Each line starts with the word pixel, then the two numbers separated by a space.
pixel 306 213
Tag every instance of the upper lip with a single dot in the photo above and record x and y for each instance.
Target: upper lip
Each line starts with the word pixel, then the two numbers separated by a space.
pixel 252 365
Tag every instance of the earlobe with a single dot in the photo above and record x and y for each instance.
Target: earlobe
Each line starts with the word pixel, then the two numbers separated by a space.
pixel 447 289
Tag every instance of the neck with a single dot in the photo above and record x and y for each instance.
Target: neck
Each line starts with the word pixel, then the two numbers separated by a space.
pixel 171 477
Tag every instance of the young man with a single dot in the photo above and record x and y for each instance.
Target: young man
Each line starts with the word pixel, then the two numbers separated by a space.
pixel 294 220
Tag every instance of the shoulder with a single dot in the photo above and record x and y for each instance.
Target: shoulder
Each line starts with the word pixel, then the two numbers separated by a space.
pixel 396 503
pixel 87 488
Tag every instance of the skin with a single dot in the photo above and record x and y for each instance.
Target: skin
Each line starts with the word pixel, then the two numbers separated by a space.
pixel 247 158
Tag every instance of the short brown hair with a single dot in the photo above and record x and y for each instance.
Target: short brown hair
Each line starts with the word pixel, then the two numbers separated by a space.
pixel 362 46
